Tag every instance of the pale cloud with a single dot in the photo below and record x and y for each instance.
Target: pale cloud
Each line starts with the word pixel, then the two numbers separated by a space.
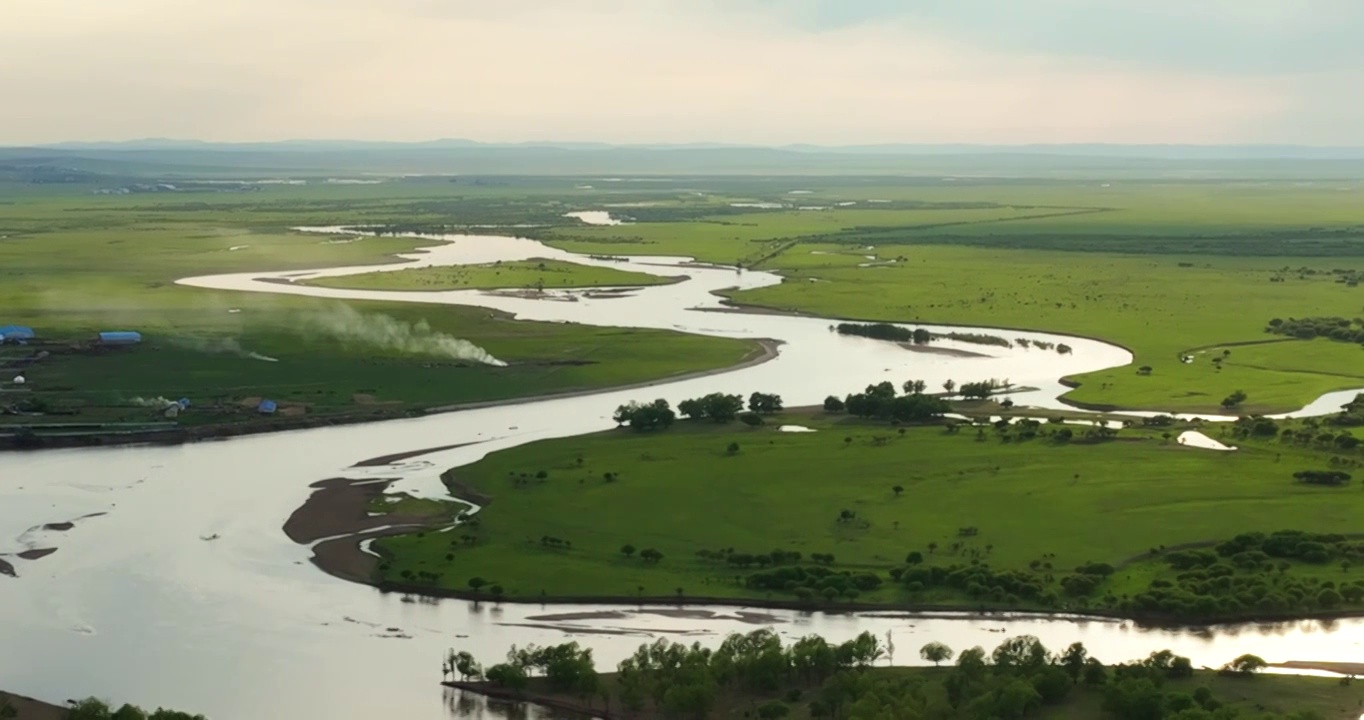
pixel 753 71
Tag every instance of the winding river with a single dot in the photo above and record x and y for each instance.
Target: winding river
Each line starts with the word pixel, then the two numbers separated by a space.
pixel 137 604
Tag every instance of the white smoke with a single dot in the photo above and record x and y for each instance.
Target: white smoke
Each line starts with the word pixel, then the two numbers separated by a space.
pixel 159 403
pixel 383 332
pixel 219 345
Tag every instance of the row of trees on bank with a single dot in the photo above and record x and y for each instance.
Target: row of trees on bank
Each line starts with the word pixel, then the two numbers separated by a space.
pixel 1019 679
pixel 716 407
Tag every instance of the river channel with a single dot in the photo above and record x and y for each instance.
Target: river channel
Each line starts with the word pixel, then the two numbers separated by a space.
pixel 175 585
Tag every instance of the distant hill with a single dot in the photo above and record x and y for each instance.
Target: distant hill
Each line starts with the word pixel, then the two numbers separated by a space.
pixel 311 158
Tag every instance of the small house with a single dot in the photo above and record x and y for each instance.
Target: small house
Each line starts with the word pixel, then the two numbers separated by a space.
pixel 16 333
pixel 120 338
pixel 267 407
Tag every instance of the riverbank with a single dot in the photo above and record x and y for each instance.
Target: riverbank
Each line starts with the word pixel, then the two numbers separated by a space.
pixel 1211 407
pixel 982 562
pixel 764 351
pixel 1245 696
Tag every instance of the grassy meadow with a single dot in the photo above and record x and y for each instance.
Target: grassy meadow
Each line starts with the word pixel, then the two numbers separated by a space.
pixel 703 487
pixel 536 273
pixel 1163 269
pixel 72 264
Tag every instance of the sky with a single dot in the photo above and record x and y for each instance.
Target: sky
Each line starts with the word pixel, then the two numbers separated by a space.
pixel 770 72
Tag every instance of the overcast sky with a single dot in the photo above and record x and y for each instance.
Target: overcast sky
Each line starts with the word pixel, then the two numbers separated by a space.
pixel 750 71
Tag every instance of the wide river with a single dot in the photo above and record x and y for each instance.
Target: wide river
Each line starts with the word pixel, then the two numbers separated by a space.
pixel 135 606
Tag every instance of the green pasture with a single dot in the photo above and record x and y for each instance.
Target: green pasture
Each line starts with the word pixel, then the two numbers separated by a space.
pixel 72 265
pixel 536 273
pixel 684 490
pixel 1160 307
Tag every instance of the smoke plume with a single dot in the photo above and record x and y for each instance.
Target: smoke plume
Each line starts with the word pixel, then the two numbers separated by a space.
pixel 159 403
pixel 385 333
pixel 219 346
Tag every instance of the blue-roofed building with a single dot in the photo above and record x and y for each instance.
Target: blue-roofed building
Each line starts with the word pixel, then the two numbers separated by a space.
pixel 120 338
pixel 16 333
pixel 267 407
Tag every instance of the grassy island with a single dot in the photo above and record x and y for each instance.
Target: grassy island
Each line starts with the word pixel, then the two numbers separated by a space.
pixel 855 511
pixel 536 274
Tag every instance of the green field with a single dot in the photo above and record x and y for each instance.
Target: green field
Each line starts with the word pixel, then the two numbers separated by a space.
pixel 1028 502
pixel 1160 268
pixel 536 274
pixel 72 264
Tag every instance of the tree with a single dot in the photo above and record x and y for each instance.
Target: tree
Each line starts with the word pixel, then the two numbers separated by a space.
pixel 914 558
pixel 1247 665
pixel 949 386
pixel 716 407
pixel 477 583
pixel 507 675
pixel 898 490
pixel 936 653
pixel 1073 660
pixel 90 709
pixel 1234 399
pixel 1023 653
pixel 651 556
pixel 627 550
pixel 915 387
pixel 1144 370
pixel 657 415
pixel 467 666
pixel 764 403
pixel 7 710
pixel 733 448
pixel 833 404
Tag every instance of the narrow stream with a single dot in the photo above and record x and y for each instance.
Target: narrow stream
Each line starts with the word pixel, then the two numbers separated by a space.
pixel 136 605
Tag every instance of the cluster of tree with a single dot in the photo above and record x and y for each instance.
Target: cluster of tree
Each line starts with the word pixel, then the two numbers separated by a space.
pixel 1351 414
pixel 566 668
pixel 1234 399
pixel 748 560
pixel 1334 478
pixel 982 389
pixel 685 681
pixel 978 581
pixel 881 402
pixel 1250 573
pixel 983 339
pixel 1321 439
pixel 650 556
pixel 715 407
pixel 885 331
pixel 1335 328
pixel 808 583
pixel 641 417
pixel 812 677
pixel 93 709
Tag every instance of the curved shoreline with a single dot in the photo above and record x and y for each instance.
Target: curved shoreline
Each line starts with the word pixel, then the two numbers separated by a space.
pixel 767 350
pixel 335 517
pixel 733 306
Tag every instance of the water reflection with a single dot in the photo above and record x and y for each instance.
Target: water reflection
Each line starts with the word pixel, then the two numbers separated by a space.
pixel 464 704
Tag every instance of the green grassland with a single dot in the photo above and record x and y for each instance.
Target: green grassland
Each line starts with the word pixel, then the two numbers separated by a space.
pixel 1160 307
pixel 684 491
pixel 1160 268
pixel 72 264
pixel 537 273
